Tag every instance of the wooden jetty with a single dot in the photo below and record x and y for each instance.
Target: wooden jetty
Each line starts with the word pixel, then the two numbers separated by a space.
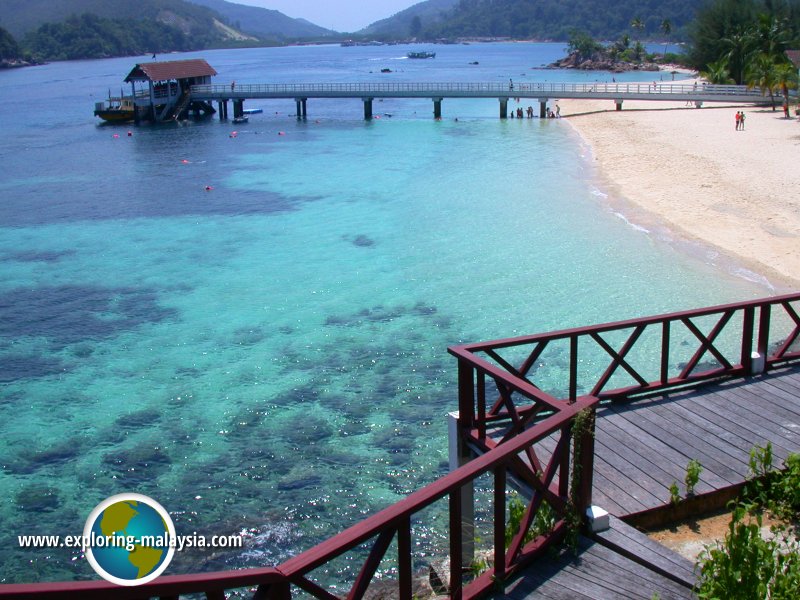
pixel 437 92
pixel 605 415
pixel 173 89
pixel 163 92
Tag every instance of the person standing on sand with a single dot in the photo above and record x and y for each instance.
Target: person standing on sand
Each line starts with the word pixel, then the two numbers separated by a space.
pixel 738 120
pixel 741 120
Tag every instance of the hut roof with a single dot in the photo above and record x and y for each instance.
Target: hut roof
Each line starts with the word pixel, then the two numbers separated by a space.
pixel 169 70
pixel 794 56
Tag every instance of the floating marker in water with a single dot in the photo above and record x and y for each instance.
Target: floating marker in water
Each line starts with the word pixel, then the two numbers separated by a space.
pixel 130 134
pixel 209 188
pixel 281 133
pixel 184 161
pixel 116 135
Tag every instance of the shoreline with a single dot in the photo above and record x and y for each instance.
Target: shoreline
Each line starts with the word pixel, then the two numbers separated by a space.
pixel 689 172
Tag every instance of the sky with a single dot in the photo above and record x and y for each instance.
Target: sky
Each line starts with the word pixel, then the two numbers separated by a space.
pixel 339 15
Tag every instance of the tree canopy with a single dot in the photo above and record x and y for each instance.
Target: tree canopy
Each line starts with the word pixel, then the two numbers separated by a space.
pixel 9 49
pixel 544 19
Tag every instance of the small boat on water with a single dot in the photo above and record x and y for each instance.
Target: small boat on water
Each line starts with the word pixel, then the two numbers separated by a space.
pixel 242 119
pixel 117 109
pixel 252 111
pixel 421 55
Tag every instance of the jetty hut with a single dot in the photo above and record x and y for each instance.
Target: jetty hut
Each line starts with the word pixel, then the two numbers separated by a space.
pixel 164 88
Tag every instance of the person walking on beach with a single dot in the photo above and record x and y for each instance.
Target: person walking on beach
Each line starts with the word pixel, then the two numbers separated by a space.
pixel 741 121
pixel 738 120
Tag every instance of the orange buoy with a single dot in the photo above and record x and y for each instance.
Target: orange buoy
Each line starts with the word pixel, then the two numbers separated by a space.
pixel 116 135
pixel 209 188
pixel 184 161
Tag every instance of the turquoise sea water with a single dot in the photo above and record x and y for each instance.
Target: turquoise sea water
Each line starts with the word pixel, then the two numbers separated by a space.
pixel 270 355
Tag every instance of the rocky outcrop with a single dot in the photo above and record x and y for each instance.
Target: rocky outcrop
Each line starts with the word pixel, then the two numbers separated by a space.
pixel 598 62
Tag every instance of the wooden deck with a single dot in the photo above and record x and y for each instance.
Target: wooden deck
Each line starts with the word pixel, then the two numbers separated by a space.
pixel 641 448
pixel 620 563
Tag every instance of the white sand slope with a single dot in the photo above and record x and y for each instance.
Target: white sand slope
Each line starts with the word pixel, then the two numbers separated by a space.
pixel 736 190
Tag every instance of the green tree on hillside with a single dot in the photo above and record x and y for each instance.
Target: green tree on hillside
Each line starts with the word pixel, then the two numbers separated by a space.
pixel 9 49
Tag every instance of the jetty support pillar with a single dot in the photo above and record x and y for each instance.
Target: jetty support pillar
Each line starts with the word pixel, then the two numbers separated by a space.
pixel 460 454
pixel 301 108
pixel 368 109
pixel 223 109
pixel 437 108
pixel 238 108
pixel 618 102
pixel 503 108
pixel 542 108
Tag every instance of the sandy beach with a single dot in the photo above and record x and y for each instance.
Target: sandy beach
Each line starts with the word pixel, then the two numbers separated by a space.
pixel 691 170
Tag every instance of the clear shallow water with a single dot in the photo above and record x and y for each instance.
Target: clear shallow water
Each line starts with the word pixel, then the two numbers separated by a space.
pixel 271 355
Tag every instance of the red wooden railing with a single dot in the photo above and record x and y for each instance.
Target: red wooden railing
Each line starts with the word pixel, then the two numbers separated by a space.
pixel 520 399
pixel 394 522
pixel 535 431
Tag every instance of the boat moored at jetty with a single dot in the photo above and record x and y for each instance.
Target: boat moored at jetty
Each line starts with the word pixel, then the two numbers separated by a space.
pixel 117 109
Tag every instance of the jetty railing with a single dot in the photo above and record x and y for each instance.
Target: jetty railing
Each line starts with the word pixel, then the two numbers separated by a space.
pixel 653 90
pixel 550 483
pixel 675 350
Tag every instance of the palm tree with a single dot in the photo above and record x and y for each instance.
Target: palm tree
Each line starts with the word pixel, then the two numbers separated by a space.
pixel 637 25
pixel 761 73
pixel 786 78
pixel 738 51
pixel 717 72
pixel 666 28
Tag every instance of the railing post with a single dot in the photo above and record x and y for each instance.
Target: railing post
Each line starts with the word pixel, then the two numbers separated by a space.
pixel 455 545
pixel 500 524
pixel 763 332
pixel 747 339
pixel 273 591
pixel 466 395
pixel 573 368
pixel 586 463
pixel 460 454
pixel 404 558
pixel 665 329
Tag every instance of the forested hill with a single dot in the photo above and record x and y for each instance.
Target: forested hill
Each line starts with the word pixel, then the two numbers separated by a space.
pixel 9 49
pixel 74 29
pixel 408 23
pixel 265 22
pixel 555 19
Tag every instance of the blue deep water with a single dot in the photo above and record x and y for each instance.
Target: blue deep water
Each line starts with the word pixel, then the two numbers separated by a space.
pixel 269 355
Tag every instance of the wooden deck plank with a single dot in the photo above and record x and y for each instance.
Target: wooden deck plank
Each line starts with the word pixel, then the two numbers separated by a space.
pixel 678 438
pixel 750 434
pixel 623 536
pixel 598 573
pixel 620 574
pixel 629 469
pixel 768 426
pixel 668 458
pixel 767 404
pixel 717 432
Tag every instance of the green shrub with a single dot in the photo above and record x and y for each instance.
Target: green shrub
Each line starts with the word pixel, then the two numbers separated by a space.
pixel 745 566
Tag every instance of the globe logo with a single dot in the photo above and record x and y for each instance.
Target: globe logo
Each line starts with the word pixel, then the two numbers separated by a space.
pixel 129 539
